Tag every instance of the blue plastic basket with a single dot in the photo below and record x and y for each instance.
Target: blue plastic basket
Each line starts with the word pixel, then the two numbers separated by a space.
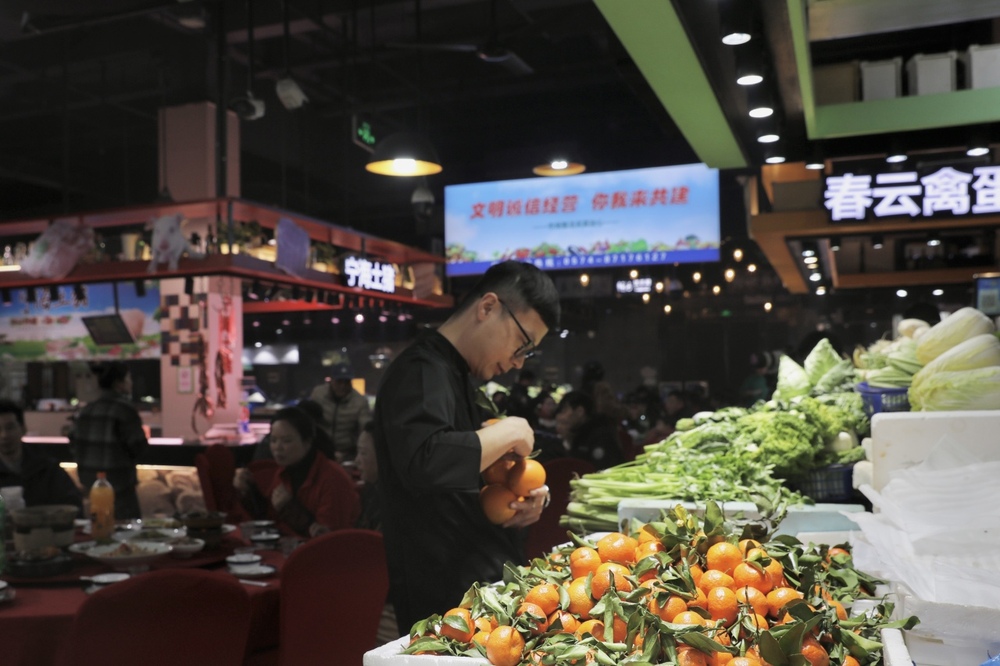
pixel 833 483
pixel 877 400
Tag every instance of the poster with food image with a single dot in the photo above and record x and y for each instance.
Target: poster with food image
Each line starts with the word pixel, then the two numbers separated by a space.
pixel 613 219
pixel 48 325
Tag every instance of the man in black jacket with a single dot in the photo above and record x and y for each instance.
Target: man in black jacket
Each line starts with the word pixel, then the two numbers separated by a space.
pixel 432 443
pixel 26 465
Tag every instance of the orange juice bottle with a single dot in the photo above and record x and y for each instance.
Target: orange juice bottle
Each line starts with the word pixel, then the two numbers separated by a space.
pixel 102 508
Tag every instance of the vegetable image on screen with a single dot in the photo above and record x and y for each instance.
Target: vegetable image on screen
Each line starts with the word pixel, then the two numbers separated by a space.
pixel 621 218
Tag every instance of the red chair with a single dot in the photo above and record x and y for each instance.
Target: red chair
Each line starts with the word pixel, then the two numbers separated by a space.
pixel 547 532
pixel 162 618
pixel 333 590
pixel 216 468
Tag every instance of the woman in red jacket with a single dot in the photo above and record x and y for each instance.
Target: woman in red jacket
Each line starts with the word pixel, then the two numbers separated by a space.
pixel 308 494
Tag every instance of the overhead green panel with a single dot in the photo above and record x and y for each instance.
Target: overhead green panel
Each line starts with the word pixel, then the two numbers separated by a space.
pixel 901 114
pixel 658 44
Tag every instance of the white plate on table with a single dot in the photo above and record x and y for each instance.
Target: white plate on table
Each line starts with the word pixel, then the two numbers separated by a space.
pixel 81 547
pixel 127 554
pixel 149 534
pixel 253 571
pixel 227 528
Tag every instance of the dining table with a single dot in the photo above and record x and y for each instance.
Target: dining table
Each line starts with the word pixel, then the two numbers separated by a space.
pixel 37 619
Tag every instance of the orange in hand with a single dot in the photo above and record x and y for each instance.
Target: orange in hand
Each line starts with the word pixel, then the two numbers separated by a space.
pixel 525 475
pixel 496 500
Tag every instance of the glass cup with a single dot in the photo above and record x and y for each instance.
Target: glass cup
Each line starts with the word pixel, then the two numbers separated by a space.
pixel 247 529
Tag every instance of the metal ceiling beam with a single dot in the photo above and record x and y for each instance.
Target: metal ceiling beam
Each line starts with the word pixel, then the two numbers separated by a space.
pixel 837 19
pixel 655 38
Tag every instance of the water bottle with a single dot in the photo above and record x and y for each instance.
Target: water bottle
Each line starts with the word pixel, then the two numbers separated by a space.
pixel 102 508
pixel 3 535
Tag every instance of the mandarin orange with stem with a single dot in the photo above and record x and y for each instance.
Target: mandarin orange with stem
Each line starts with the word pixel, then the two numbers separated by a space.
pixel 779 597
pixel 752 575
pixel 580 601
pixel 545 595
pixel 617 547
pixel 722 604
pixel 583 560
pixel 495 500
pixel 648 549
pixel 689 618
pixel 564 622
pixel 504 646
pixel 699 601
pixel 814 652
pixel 459 617
pixel 605 574
pixel 723 556
pixel 714 578
pixel 754 598
pixel 689 656
pixel 669 608
pixel 537 620
pixel 525 475
pixel 497 472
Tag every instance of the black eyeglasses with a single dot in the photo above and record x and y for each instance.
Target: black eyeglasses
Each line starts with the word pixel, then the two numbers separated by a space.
pixel 526 350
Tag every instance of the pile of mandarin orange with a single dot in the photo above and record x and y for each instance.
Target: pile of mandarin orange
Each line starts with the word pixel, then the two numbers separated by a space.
pixel 671 595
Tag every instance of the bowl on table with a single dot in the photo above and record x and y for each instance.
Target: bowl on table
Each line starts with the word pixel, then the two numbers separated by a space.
pixel 185 546
pixel 265 539
pixel 207 526
pixel 127 555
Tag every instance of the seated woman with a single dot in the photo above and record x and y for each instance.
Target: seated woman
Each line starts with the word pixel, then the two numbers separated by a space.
pixel 309 494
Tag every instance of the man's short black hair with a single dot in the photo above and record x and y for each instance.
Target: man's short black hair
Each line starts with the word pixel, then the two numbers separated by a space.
pixel 11 407
pixel 521 286
pixel 109 373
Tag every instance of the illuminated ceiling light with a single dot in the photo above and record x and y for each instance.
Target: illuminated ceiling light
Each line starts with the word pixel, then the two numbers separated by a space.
pixel 977 151
pixel 667 309
pixel 895 158
pixel 735 22
pixel 775 159
pixel 730 275
pixel 815 164
pixel 768 306
pixel 559 166
pixel 768 136
pixel 902 293
pixel 760 102
pixel 563 334
pixel 278 331
pixel 749 65
pixel 645 298
pixel 934 239
pixel 584 279
pixel 979 143
pixel 383 318
pixel 633 274
pixel 820 290
pixel 696 276
pixel 404 154
pixel 751 268
pixel 878 242
pixel 835 243
pixel 359 318
pixel 810 260
pixel 258 345
pixel 737 254
pixel 938 292
pixel 659 287
pixel 334 320
pixel 774 153
pixel 808 249
pixel 716 289
pixel 815 277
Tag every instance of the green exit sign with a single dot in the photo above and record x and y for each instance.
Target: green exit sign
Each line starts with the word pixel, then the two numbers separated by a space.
pixel 362 133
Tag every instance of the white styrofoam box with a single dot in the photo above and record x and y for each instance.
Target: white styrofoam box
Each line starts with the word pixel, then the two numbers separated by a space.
pixel 932 73
pixel 388 655
pixel 881 79
pixel 982 66
pixel 948 634
pixel 894 652
pixel 800 517
pixel 903 439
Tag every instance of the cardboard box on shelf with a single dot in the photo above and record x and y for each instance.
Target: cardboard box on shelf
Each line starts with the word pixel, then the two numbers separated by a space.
pixel 982 66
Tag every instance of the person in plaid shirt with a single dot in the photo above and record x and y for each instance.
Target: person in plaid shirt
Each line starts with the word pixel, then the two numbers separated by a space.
pixel 108 437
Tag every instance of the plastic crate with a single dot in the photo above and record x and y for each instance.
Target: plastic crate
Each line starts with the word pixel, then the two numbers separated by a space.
pixel 833 483
pixel 877 400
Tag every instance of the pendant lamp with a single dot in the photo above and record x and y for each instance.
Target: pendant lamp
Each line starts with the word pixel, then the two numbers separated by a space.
pixel 404 154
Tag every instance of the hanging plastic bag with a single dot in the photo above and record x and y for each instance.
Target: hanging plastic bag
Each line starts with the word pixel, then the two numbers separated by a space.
pixel 56 252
